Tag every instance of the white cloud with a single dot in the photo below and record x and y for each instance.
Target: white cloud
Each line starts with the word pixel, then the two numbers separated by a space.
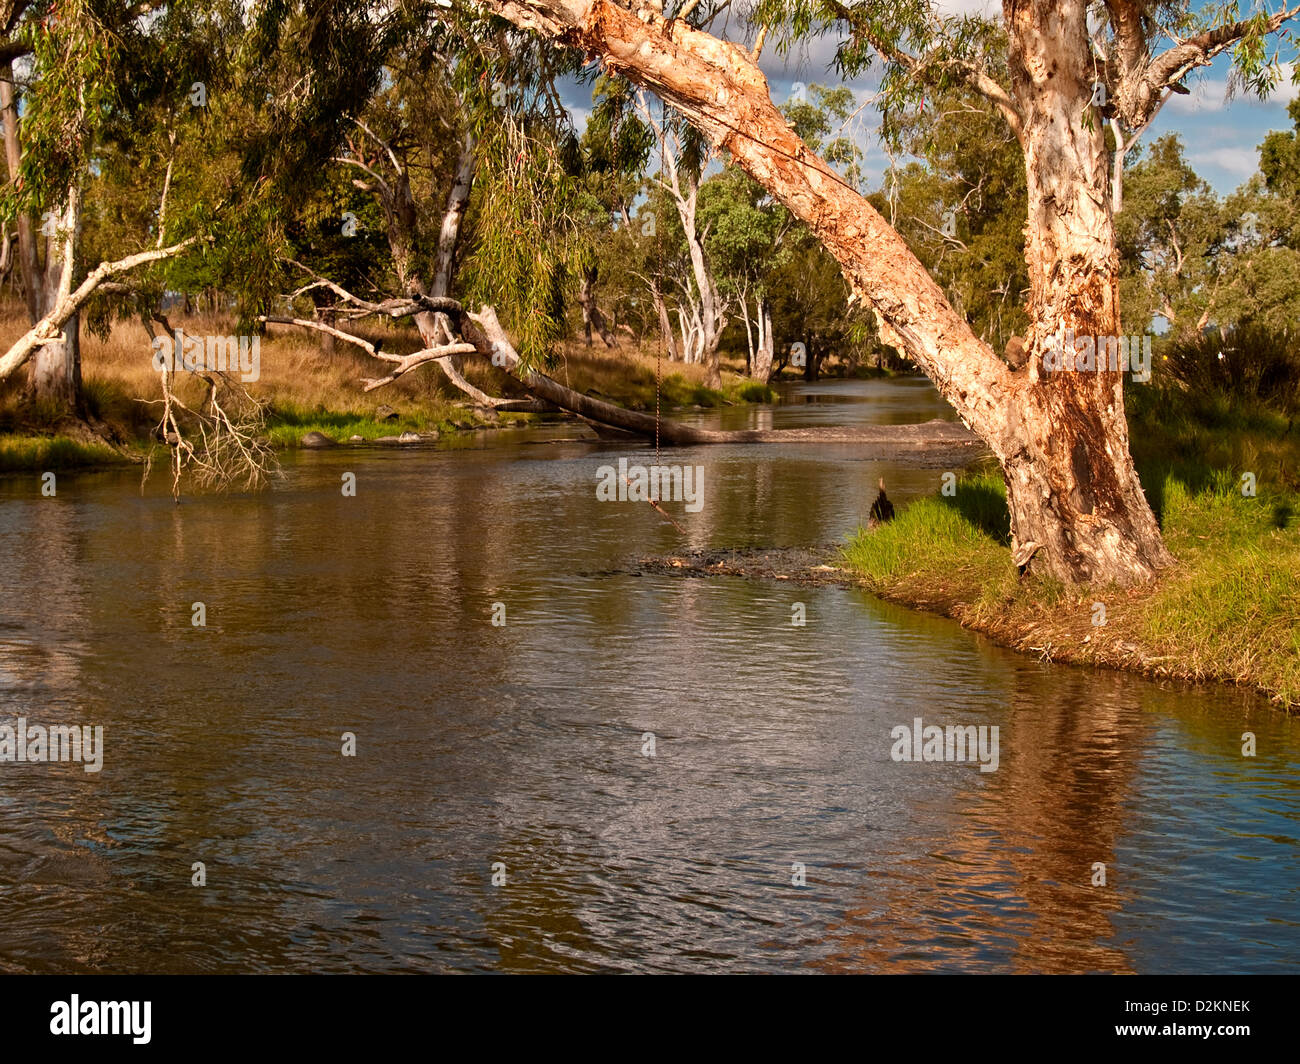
pixel 1207 95
pixel 1241 162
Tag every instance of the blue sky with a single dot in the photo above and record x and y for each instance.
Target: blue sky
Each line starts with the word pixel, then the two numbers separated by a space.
pixel 1221 137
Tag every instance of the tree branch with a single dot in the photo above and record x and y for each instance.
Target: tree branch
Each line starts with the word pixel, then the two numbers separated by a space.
pixel 975 77
pixel 406 363
pixel 1172 65
pixel 721 92
pixel 49 328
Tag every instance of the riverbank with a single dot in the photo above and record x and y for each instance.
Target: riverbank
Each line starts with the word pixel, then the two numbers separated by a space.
pixel 306 390
pixel 1228 611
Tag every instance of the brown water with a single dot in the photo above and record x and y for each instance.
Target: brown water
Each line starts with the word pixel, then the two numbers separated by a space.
pixel 523 744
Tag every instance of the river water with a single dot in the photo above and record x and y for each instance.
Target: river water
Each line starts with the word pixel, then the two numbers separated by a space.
pixel 770 831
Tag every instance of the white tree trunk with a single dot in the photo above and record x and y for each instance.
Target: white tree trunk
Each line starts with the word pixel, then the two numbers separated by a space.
pixel 761 370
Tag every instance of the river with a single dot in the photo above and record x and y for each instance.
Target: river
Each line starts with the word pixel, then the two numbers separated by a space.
pixel 770 830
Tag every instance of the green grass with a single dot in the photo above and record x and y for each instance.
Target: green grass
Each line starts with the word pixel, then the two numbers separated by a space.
pixel 19 454
pixel 959 539
pixel 753 392
pixel 1234 609
pixel 1229 610
pixel 288 423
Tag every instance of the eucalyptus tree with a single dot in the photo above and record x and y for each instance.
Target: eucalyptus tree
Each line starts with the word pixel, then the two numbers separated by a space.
pixel 451 122
pixel 746 229
pixel 1059 73
pixel 1196 259
pixel 703 307
pixel 961 208
pixel 750 233
pixel 1171 237
pixel 614 150
pixel 413 150
pixel 94 73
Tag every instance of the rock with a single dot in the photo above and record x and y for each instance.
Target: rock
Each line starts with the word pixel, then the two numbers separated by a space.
pixel 317 441
pixel 356 439
pixel 385 413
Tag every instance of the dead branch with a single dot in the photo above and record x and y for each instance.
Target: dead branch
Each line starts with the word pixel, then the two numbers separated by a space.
pixel 220 448
pixel 406 363
pixel 50 327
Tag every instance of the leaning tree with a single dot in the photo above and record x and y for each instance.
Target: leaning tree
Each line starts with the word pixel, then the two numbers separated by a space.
pixel 1076 83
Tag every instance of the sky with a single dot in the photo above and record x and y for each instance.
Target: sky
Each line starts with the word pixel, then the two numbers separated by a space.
pixel 1221 138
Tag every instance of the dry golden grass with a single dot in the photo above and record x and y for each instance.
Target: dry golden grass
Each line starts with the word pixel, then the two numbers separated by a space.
pixel 296 372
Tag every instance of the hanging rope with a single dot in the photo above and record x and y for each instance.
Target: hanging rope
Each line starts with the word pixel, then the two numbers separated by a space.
pixel 659 251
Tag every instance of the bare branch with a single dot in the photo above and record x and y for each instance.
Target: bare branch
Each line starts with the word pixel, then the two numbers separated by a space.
pixel 306 323
pixel 49 328
pixel 346 160
pixel 406 363
pixel 390 308
pixel 383 144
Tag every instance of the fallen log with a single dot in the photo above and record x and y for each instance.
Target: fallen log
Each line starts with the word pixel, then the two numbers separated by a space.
pixel 946 441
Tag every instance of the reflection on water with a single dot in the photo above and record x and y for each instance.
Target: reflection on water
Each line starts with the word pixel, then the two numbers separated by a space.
pixel 523 744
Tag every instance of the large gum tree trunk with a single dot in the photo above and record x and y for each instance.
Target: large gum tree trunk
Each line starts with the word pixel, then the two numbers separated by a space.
pixel 1072 488
pixel 1077 507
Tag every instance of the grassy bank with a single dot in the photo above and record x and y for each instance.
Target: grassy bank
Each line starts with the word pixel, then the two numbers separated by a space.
pixel 1228 611
pixel 23 453
pixel 309 390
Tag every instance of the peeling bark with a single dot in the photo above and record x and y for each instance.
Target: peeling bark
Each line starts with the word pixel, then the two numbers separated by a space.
pixel 1072 487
